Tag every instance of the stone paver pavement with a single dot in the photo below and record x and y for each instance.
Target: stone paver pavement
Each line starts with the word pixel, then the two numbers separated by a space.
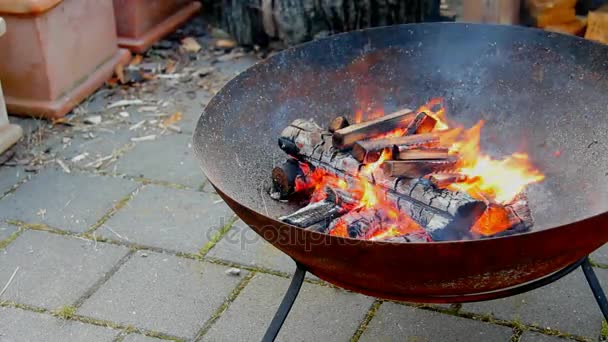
pixel 320 314
pixel 54 270
pixel 170 159
pixel 179 220
pixel 131 247
pixel 17 325
pixel 162 293
pixel 566 305
pixel 395 322
pixel 72 201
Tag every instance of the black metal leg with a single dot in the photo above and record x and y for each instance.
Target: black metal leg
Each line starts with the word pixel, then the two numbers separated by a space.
pixel 596 288
pixel 285 307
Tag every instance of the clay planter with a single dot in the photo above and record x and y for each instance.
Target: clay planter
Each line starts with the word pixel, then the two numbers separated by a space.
pixel 55 53
pixel 141 23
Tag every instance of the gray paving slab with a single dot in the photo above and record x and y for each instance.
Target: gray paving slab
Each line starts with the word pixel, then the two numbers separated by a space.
pixel 162 293
pixel 179 220
pixel 396 322
pixel 54 270
pixel 17 325
pixel 6 230
pixel 192 108
pixel 529 336
pixel 87 148
pixel 71 202
pixel 9 176
pixel 566 305
pixel 140 338
pixel 319 314
pixel 242 245
pixel 168 158
pixel 601 255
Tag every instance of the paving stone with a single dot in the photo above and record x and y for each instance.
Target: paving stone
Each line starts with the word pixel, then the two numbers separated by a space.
pixel 140 338
pixel 6 230
pixel 242 245
pixel 396 322
pixel 72 201
pixel 179 220
pixel 101 145
pixel 192 108
pixel 18 325
pixel 601 255
pixel 10 176
pixel 54 270
pixel 168 158
pixel 162 293
pixel 537 337
pixel 566 305
pixel 320 313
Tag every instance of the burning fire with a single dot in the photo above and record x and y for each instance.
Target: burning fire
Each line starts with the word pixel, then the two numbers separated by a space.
pixel 495 181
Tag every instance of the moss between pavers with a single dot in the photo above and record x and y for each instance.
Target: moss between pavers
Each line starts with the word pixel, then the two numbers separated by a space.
pixel 514 324
pixel 368 318
pixel 120 204
pixel 218 313
pixel 11 238
pixel 65 312
pixel 604 331
pixel 217 236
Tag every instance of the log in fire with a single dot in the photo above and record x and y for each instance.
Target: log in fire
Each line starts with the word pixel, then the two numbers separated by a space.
pixel 409 176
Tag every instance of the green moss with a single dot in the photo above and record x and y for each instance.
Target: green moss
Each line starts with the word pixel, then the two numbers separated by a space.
pixel 604 331
pixel 11 238
pixel 65 312
pixel 217 236
pixel 368 318
pixel 218 313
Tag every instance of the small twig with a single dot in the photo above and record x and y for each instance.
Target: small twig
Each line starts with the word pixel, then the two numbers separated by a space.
pixel 144 138
pixel 10 280
pixel 63 166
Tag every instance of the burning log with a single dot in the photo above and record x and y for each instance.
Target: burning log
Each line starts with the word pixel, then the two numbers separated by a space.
pixel 419 236
pixel 368 151
pixel 416 168
pixel 284 179
pixel 432 208
pixel 346 137
pixel 423 154
pixel 358 224
pixel 318 215
pixel 442 180
pixel 337 123
pixel 513 218
pixel 422 123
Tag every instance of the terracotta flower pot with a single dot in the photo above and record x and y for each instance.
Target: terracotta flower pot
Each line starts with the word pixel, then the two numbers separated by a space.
pixel 141 23
pixel 55 53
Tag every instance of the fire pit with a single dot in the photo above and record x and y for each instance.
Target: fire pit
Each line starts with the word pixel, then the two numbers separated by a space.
pixel 538 92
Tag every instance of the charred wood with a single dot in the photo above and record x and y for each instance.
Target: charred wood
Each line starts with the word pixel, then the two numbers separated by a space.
pixel 419 236
pixel 368 151
pixel 337 123
pixel 422 123
pixel 284 178
pixel 417 168
pixel 432 208
pixel 346 137
pixel 424 154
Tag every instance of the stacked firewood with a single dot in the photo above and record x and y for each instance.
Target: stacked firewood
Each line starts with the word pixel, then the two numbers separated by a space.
pixel 416 167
